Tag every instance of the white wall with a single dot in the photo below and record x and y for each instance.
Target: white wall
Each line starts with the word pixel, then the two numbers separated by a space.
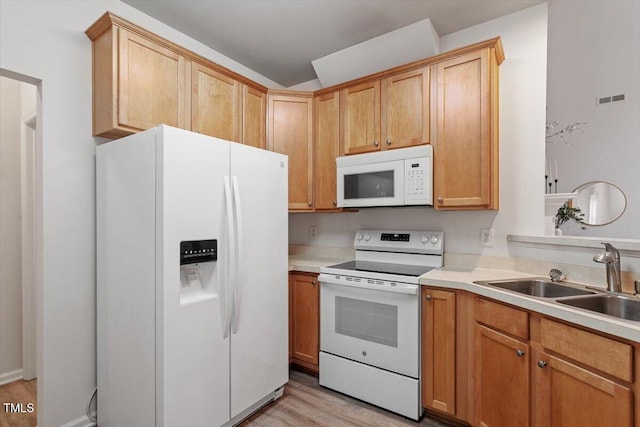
pixel 522 119
pixel 10 235
pixel 594 51
pixel 46 40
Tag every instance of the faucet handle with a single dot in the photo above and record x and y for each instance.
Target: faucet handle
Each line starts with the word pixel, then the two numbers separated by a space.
pixel 556 275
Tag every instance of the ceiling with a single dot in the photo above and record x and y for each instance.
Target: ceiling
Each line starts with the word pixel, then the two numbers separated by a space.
pixel 280 38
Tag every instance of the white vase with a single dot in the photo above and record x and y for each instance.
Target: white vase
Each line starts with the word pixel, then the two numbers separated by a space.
pixel 558 232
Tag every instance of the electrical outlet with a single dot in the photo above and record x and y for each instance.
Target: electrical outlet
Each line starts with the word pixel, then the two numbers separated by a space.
pixel 486 237
pixel 313 231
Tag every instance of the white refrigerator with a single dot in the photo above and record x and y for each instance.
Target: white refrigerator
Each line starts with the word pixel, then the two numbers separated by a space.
pixel 192 291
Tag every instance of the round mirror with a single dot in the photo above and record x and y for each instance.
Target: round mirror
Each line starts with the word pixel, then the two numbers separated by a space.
pixel 600 202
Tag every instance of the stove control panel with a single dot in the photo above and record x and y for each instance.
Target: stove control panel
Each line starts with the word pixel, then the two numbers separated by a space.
pixel 408 241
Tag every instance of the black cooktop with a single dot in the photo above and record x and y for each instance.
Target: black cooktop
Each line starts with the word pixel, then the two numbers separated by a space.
pixel 383 267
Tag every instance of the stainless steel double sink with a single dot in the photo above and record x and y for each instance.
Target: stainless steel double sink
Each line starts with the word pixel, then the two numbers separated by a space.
pixel 574 295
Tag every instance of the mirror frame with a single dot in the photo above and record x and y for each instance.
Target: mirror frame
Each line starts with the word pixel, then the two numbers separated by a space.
pixel 577 189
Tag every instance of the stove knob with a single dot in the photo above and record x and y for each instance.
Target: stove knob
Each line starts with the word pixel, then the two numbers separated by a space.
pixel 367 237
pixel 424 239
pixel 434 239
pixel 359 236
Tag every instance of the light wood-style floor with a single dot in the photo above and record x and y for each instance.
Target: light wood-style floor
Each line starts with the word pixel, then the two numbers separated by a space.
pixel 305 403
pixel 18 392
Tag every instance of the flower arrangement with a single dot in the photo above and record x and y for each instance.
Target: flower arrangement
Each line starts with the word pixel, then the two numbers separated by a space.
pixel 566 212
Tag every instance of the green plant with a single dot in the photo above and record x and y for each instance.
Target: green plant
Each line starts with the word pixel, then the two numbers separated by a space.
pixel 566 212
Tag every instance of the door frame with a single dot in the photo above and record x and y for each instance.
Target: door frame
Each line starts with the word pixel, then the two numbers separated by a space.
pixel 28 148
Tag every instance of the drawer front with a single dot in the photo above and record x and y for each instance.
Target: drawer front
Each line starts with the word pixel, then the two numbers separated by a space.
pixel 502 317
pixel 607 355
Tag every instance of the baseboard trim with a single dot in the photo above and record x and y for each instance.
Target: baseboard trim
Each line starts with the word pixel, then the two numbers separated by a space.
pixel 83 421
pixel 10 377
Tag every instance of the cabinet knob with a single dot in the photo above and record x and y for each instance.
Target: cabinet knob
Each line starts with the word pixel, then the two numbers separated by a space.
pixel 439 199
pixel 542 363
pixel 375 143
pixel 427 297
pixel 315 282
pixel 388 142
pixel 519 353
pixel 310 203
pixel 335 203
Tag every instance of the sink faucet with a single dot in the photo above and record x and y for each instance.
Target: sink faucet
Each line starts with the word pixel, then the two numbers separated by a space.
pixel 611 257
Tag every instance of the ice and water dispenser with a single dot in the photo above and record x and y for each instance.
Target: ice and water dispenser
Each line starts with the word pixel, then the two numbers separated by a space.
pixel 197 265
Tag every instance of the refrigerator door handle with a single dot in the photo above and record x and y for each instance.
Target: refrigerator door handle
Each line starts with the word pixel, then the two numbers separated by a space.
pixel 228 281
pixel 237 291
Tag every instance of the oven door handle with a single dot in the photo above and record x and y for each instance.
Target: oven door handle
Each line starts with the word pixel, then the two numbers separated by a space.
pixel 400 288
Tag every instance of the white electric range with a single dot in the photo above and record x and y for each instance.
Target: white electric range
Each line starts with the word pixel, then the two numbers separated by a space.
pixel 370 318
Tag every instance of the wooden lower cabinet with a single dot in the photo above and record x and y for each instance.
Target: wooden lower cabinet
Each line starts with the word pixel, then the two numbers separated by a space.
pixel 491 364
pixel 501 379
pixel 569 395
pixel 304 320
pixel 439 350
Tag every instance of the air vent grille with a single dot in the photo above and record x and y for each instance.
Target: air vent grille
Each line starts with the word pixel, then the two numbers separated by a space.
pixel 611 99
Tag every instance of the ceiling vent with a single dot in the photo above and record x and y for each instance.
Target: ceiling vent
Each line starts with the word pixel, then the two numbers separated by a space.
pixel 407 44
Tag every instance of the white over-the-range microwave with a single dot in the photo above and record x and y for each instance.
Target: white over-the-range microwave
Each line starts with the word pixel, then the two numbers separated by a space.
pixel 400 177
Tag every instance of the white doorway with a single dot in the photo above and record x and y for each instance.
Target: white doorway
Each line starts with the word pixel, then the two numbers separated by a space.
pixel 28 229
pixel 20 228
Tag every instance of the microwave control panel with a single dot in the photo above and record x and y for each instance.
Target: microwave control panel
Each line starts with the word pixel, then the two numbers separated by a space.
pixel 196 251
pixel 417 182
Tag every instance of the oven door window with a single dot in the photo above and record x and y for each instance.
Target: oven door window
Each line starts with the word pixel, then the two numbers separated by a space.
pixel 369 185
pixel 366 320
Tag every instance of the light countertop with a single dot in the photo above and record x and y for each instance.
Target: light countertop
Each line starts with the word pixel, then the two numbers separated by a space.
pixel 312 263
pixel 463 278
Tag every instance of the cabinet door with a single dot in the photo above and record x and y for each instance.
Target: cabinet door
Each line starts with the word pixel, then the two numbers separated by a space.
pixel 151 87
pixel 214 103
pixel 254 117
pixel 362 118
pixel 290 132
pixel 305 308
pixel 501 379
pixel 291 276
pixel 438 350
pixel 327 149
pixel 405 109
pixel 465 148
pixel 573 396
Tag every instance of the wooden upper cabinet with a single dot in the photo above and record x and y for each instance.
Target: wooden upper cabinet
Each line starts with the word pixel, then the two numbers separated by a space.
pixel 141 80
pixel 145 87
pixel 326 149
pixel 290 132
pixel 215 103
pixel 151 84
pixel 466 143
pixel 254 117
pixel 405 109
pixel 388 113
pixel 361 117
